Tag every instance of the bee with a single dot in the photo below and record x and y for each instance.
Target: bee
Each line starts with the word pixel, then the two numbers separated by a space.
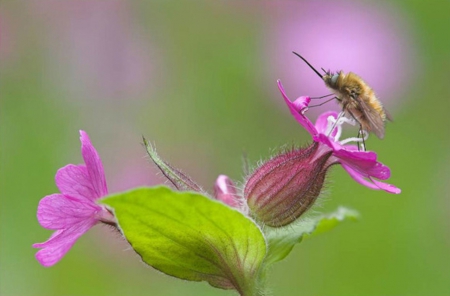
pixel 357 99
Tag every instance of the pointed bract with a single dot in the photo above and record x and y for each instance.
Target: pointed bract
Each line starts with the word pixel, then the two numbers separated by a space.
pixel 178 179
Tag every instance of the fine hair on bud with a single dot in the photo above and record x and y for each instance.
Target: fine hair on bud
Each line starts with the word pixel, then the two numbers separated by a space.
pixel 283 188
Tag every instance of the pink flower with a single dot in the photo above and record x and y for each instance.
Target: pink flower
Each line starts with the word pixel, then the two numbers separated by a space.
pixel 73 211
pixel 362 166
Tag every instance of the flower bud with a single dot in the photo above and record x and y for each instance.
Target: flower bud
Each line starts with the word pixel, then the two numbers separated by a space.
pixel 283 188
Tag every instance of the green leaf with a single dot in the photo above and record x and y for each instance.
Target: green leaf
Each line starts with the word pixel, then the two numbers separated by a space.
pixel 281 241
pixel 190 236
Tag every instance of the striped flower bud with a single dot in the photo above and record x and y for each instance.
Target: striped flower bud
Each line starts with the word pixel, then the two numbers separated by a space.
pixel 283 188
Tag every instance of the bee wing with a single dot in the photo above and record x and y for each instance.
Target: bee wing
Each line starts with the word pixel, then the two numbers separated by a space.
pixel 375 120
pixel 388 115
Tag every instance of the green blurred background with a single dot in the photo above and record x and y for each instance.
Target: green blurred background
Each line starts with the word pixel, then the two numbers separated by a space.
pixel 199 80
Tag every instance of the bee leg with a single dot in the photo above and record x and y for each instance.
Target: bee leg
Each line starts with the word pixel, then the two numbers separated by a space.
pixel 358 136
pixel 330 132
pixel 316 98
pixel 361 146
pixel 333 98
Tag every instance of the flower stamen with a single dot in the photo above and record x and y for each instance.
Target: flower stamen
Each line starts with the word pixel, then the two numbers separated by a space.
pixel 336 123
pixel 356 139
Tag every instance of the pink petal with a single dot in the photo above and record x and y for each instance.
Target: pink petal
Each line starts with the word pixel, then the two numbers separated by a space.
pixel 386 187
pixel 358 177
pixel 57 211
pixel 73 180
pixel 322 122
pixel 373 184
pixel 303 120
pixel 225 191
pixel 364 162
pixel 350 147
pixel 301 104
pixel 93 165
pixel 321 138
pixel 336 146
pixel 61 242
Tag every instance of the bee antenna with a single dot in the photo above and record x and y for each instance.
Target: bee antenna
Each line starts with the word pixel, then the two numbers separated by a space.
pixel 317 72
pixel 323 70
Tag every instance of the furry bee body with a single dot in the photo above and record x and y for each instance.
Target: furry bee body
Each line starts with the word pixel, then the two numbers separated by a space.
pixel 358 100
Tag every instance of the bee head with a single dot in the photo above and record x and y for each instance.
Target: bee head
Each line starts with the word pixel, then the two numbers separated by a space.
pixel 331 78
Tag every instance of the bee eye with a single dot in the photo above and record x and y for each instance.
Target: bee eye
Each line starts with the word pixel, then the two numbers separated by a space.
pixel 334 78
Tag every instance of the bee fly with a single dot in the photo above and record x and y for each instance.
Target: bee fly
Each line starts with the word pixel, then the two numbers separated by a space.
pixel 357 99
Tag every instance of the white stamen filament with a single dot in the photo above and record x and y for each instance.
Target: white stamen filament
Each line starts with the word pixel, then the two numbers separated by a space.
pixel 334 123
pixel 354 139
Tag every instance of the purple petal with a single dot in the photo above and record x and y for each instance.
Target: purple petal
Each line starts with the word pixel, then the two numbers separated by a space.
pixel 57 211
pixel 386 187
pixel 350 147
pixel 321 138
pixel 373 184
pixel 322 122
pixel 225 191
pixel 364 162
pixel 61 242
pixel 335 145
pixel 73 180
pixel 94 165
pixel 301 103
pixel 358 177
pixel 303 120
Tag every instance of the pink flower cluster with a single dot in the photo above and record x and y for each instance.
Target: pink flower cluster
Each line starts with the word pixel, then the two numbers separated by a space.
pixel 275 194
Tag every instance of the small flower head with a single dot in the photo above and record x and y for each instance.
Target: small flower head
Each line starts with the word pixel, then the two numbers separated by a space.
pixel 74 211
pixel 283 188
